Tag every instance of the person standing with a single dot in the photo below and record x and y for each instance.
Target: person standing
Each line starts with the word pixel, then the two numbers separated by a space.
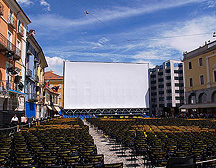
pixel 23 119
pixel 14 120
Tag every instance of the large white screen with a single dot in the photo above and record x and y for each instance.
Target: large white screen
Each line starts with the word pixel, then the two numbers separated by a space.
pixel 94 85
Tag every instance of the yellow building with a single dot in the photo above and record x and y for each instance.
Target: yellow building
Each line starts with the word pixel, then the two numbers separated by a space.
pixel 200 79
pixel 55 81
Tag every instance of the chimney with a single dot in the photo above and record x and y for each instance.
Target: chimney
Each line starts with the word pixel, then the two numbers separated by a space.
pixel 32 32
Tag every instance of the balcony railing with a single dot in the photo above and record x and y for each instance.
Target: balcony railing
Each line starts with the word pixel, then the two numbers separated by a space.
pixel 32 97
pixel 12 22
pixel 4 86
pixel 21 31
pixel 29 72
pixel 6 45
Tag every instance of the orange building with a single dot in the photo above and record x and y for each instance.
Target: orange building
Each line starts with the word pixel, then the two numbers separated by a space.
pixel 13 25
pixel 55 81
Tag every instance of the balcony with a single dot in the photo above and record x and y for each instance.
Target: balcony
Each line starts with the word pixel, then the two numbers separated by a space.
pixel 32 97
pixel 28 72
pixel 4 86
pixel 20 31
pixel 6 46
pixel 12 22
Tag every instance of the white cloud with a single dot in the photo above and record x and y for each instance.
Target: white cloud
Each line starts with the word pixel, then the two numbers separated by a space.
pixel 25 2
pixel 45 4
pixel 55 64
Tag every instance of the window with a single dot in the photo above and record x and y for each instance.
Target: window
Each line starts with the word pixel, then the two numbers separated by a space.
pixel 214 76
pixel 153 87
pixel 160 79
pixel 179 91
pixel 201 80
pixel 161 86
pixel 19 26
pixel 161 92
pixel 167 70
pixel 161 98
pixel 18 44
pixel 168 77
pixel 9 37
pixel 190 65
pixel 178 78
pixel 200 62
pixel 191 82
pixel 169 104
pixel 10 16
pixel 161 105
pixel 169 97
pixel 178 71
pixel 168 84
pixel 169 91
pixel 160 73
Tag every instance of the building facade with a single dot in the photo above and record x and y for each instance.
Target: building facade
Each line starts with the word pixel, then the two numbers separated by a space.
pixel 51 100
pixel 55 81
pixel 166 88
pixel 35 64
pixel 13 25
pixel 200 79
pixel 41 109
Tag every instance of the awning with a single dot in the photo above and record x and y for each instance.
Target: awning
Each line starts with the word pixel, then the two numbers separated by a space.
pixel 49 107
pixel 57 108
pixel 15 91
pixel 198 106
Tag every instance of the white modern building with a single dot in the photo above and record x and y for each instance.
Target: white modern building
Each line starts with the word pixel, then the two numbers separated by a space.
pixel 166 88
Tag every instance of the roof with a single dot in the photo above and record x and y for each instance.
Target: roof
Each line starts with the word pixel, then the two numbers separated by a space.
pixel 208 47
pixel 52 76
pixel 22 11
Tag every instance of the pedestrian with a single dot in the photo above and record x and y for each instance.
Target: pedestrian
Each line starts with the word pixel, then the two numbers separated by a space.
pixel 22 120
pixel 14 120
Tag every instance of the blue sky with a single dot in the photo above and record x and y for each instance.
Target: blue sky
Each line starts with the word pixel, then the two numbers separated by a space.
pixel 119 30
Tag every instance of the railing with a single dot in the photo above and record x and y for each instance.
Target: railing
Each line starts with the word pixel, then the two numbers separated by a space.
pixel 4 87
pixel 21 31
pixel 5 44
pixel 12 21
pixel 29 72
pixel 32 97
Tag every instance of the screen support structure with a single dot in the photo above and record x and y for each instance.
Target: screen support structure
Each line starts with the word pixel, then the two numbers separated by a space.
pixel 105 111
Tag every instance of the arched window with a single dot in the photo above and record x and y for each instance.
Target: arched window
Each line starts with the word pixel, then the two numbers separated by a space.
pixel 202 98
pixel 214 97
pixel 192 99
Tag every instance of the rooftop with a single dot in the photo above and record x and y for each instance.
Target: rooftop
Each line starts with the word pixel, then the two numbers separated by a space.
pixel 208 47
pixel 52 76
